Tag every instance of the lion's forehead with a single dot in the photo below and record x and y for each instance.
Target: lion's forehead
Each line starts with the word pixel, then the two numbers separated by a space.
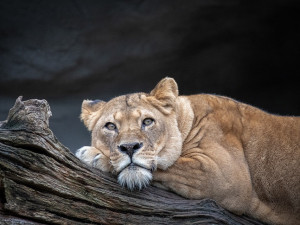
pixel 129 106
pixel 125 114
pixel 133 114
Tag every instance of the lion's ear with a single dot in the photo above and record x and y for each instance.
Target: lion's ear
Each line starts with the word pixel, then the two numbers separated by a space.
pixel 89 113
pixel 166 92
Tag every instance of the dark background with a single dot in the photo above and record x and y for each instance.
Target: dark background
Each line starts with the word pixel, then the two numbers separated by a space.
pixel 66 51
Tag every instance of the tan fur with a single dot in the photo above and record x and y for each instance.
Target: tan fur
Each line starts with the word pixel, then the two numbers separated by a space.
pixel 201 146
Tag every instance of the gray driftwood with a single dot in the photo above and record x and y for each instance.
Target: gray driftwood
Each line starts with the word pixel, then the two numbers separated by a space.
pixel 42 182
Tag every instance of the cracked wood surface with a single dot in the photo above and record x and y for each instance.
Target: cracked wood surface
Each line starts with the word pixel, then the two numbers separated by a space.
pixel 42 182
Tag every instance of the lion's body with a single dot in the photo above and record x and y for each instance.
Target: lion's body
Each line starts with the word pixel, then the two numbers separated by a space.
pixel 201 146
pixel 244 158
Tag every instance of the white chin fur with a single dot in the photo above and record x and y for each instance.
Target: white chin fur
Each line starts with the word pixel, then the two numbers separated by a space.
pixel 134 177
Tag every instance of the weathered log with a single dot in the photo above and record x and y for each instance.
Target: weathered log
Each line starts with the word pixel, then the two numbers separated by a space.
pixel 42 182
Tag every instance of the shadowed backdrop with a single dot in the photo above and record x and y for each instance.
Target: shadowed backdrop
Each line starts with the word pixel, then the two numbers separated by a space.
pixel 69 50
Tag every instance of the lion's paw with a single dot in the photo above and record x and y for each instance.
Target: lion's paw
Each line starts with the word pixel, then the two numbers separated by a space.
pixel 93 157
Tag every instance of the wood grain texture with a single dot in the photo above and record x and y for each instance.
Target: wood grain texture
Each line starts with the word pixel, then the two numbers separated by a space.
pixel 42 182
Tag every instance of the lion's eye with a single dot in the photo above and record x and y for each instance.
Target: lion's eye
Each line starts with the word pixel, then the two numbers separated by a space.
pixel 148 121
pixel 110 126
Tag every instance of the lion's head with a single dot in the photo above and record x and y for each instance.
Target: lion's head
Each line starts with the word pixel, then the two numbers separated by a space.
pixel 138 132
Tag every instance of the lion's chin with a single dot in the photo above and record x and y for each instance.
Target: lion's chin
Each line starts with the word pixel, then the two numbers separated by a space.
pixel 135 177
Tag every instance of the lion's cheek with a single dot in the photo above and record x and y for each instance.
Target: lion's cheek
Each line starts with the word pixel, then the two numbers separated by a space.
pixel 100 145
pixel 163 163
pixel 170 152
pixel 119 162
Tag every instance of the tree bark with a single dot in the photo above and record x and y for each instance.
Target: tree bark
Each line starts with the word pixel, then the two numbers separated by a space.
pixel 42 182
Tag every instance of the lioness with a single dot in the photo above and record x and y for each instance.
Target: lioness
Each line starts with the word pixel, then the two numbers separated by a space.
pixel 199 146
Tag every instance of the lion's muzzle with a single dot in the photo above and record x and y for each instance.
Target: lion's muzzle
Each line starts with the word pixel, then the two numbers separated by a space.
pixel 135 171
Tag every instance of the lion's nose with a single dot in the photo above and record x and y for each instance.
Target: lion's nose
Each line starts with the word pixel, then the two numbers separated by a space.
pixel 130 148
